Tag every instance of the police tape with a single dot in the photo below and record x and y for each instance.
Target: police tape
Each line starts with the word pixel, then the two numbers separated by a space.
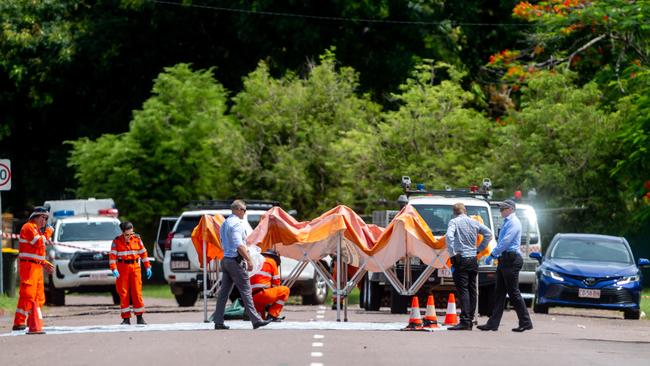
pixel 57 244
pixel 9 235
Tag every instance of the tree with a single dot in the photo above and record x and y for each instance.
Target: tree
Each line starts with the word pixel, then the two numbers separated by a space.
pixel 181 146
pixel 292 124
pixel 561 143
pixel 434 136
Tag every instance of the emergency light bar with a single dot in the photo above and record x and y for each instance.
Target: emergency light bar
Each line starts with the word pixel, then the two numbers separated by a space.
pixel 63 213
pixel 112 212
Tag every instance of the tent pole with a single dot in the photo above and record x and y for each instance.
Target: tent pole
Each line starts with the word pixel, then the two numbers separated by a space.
pixel 345 299
pixel 338 279
pixel 205 284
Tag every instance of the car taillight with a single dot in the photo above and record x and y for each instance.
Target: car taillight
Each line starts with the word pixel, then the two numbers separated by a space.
pixel 168 240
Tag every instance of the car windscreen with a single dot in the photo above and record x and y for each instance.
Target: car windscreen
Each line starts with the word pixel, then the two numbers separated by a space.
pixel 529 232
pixel 254 220
pixel 591 250
pixel 88 231
pixel 438 216
pixel 186 225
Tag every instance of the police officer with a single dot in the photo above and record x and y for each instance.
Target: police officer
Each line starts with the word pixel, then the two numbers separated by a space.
pixel 235 255
pixel 510 263
pixel 462 235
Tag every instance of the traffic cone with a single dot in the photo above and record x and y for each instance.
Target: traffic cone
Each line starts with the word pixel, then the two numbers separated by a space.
pixel 35 320
pixel 430 318
pixel 415 319
pixel 451 318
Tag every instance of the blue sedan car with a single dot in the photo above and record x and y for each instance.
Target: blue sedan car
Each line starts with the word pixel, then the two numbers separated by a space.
pixel 589 271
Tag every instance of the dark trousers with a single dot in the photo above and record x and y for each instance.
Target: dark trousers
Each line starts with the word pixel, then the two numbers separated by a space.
pixel 234 275
pixel 508 282
pixel 465 272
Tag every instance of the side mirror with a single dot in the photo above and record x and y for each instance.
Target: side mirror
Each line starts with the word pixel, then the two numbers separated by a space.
pixel 537 256
pixel 643 262
pixel 534 239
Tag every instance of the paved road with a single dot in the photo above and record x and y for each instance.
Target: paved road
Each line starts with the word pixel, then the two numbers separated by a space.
pixel 564 337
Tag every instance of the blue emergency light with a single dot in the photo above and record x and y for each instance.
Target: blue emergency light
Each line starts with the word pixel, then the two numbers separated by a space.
pixel 63 213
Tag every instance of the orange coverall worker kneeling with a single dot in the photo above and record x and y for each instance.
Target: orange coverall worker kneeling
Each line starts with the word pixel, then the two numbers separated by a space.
pixel 268 294
pixel 123 261
pixel 31 248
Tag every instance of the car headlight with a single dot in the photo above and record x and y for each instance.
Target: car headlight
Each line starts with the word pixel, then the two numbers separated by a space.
pixel 628 279
pixel 552 274
pixel 63 255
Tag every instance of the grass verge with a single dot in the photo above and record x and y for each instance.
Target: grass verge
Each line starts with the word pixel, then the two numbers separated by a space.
pixel 645 304
pixel 8 303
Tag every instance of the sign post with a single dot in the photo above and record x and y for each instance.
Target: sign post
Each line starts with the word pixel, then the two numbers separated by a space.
pixel 5 185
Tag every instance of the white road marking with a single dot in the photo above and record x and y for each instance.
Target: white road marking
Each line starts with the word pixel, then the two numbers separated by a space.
pixel 318 336
pixel 320 316
pixel 321 307
pixel 320 312
pixel 315 364
pixel 234 325
pixel 317 354
pixel 317 344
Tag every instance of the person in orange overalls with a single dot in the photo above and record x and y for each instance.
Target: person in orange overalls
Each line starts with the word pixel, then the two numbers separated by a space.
pixel 126 251
pixel 31 254
pixel 268 294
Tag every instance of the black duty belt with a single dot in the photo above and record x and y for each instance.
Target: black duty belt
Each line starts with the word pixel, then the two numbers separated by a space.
pixel 127 261
pixel 30 260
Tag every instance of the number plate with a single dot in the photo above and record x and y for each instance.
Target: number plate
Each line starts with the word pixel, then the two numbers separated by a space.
pixel 444 272
pixel 97 276
pixel 180 264
pixel 589 293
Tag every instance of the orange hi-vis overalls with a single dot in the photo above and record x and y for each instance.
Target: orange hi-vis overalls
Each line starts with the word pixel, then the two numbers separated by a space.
pixel 266 288
pixel 124 257
pixel 31 253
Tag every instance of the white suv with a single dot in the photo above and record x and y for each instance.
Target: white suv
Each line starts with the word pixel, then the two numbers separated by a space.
pixel 80 256
pixel 181 263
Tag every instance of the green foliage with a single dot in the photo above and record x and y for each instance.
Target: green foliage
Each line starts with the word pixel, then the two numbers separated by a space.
pixel 181 146
pixel 292 124
pixel 434 137
pixel 561 143
pixel 633 168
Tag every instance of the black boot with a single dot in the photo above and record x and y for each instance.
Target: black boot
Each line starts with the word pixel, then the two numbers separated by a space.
pixel 126 321
pixel 461 326
pixel 140 320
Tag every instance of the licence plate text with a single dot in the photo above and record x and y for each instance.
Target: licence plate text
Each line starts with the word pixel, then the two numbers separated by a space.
pixel 589 293
pixel 444 272
pixel 180 265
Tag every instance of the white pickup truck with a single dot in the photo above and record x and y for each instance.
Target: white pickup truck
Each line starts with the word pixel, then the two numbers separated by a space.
pixel 83 232
pixel 181 264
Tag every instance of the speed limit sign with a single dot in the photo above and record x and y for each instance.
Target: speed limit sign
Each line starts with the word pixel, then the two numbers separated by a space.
pixel 5 174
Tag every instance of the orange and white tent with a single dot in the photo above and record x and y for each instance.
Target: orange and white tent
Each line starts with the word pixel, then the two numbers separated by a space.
pixel 207 233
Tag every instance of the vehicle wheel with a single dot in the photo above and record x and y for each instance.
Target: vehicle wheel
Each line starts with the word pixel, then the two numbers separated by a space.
pixel 54 296
pixel 632 314
pixel 398 303
pixel 540 309
pixel 116 297
pixel 319 292
pixel 373 294
pixel 187 297
pixel 486 300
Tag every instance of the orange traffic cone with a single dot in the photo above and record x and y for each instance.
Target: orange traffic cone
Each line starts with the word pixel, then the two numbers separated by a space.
pixel 451 318
pixel 35 320
pixel 430 318
pixel 415 319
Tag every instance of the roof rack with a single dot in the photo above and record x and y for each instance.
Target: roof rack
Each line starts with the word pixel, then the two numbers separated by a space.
pixel 445 193
pixel 225 204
